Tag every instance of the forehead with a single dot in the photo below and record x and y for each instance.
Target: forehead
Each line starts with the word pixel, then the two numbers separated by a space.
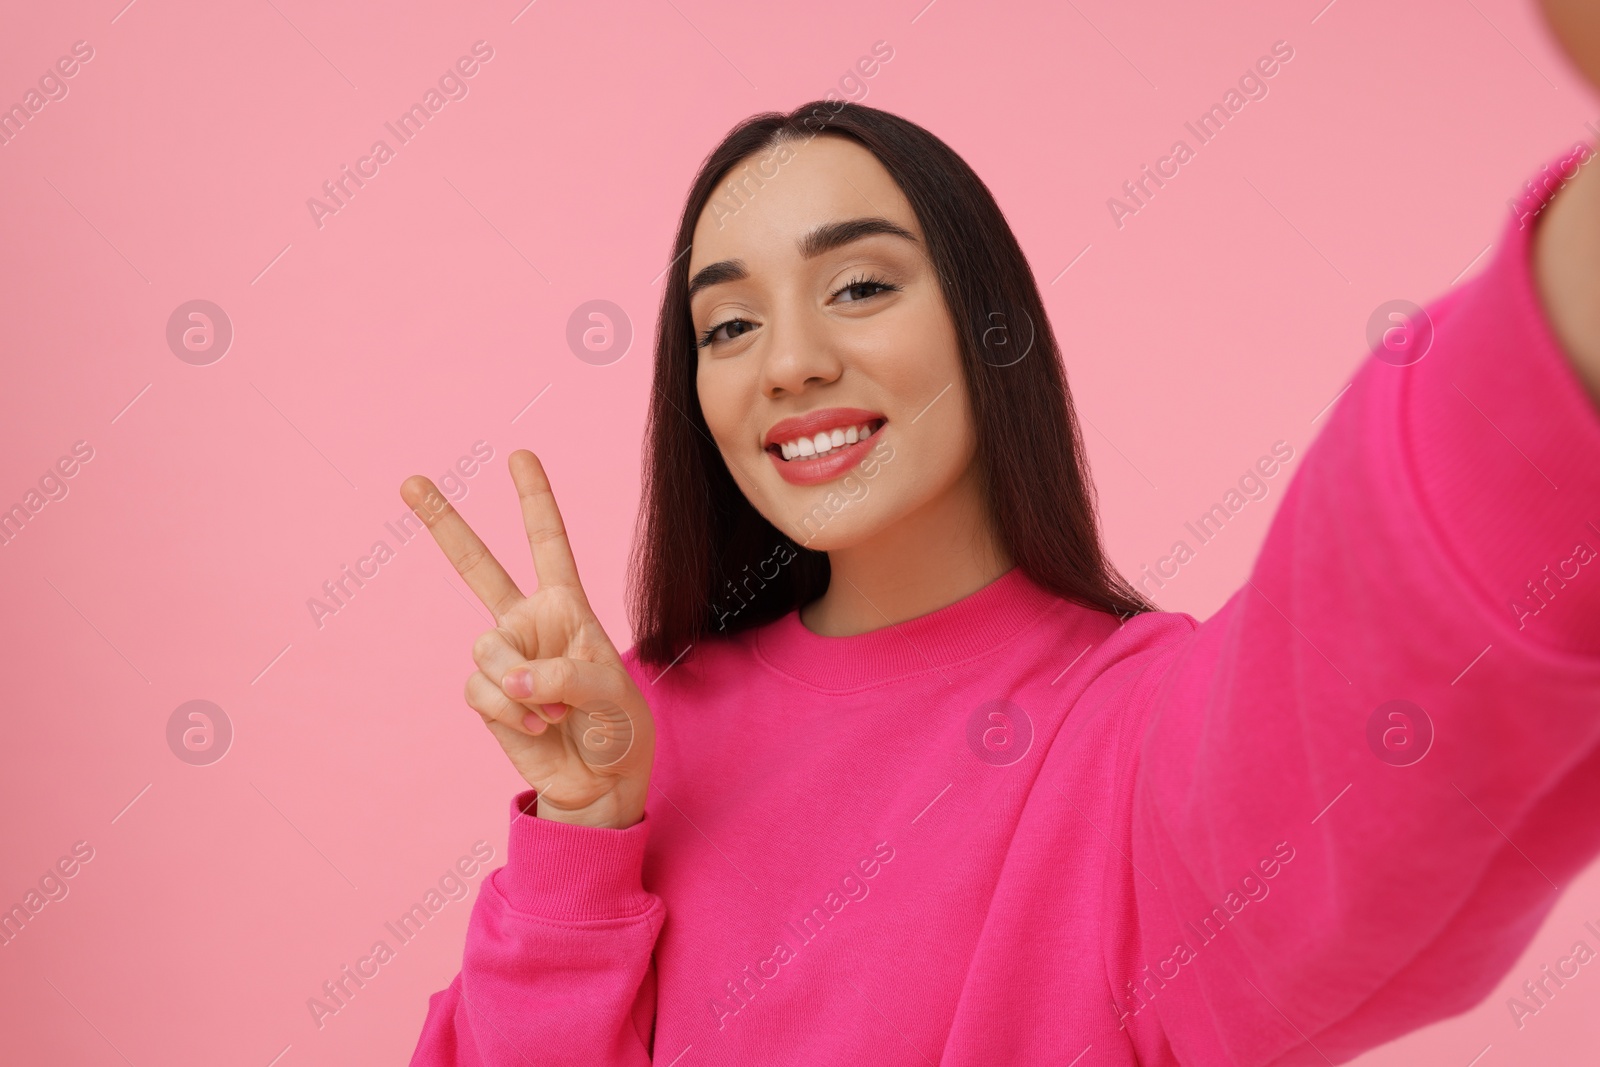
pixel 772 204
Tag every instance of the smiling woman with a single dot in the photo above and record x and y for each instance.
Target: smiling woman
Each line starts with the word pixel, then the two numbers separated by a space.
pixel 1071 872
pixel 871 274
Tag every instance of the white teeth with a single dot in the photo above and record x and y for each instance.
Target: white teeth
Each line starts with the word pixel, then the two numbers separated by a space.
pixel 822 443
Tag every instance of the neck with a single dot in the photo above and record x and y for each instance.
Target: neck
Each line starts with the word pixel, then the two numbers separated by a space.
pixel 930 559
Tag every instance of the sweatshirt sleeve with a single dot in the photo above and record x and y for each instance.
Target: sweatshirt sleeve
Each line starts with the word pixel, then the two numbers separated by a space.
pixel 558 962
pixel 1362 784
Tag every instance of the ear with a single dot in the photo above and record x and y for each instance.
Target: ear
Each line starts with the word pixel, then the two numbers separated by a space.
pixel 1576 25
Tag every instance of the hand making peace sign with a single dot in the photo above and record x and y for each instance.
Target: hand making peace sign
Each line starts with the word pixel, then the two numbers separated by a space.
pixel 550 685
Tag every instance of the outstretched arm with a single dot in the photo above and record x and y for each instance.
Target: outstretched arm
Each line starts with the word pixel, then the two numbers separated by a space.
pixel 1364 782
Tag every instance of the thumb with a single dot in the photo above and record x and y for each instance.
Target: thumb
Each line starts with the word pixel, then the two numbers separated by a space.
pixel 561 680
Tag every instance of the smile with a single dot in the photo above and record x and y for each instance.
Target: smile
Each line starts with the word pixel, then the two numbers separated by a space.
pixel 824 442
pixel 822 445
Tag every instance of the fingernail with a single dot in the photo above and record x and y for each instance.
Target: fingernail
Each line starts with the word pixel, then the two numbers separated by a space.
pixel 555 711
pixel 533 724
pixel 518 684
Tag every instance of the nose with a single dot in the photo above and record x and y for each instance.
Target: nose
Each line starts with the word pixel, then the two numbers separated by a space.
pixel 800 355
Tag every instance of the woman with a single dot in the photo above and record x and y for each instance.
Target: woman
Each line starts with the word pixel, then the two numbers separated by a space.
pixel 900 771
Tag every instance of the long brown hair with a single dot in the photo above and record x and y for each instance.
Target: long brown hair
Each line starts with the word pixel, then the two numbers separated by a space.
pixel 701 550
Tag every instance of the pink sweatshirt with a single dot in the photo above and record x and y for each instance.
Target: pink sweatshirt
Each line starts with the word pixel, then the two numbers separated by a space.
pixel 1015 831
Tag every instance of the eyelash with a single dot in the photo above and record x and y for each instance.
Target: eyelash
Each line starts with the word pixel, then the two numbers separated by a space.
pixel 883 286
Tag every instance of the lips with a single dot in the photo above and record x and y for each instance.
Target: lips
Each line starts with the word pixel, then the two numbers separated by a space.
pixel 822 445
pixel 812 423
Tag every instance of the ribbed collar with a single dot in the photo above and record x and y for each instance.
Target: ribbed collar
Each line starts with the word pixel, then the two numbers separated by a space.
pixel 976 623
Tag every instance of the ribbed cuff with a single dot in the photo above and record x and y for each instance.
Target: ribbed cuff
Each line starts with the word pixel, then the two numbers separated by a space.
pixel 572 873
pixel 1505 441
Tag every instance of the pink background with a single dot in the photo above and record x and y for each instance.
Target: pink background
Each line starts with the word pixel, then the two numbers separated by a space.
pixel 432 309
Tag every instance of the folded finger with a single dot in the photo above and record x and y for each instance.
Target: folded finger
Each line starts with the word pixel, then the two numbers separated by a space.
pixel 490 701
pixel 500 650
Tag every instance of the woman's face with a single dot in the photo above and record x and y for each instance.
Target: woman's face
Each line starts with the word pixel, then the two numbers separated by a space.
pixel 817 333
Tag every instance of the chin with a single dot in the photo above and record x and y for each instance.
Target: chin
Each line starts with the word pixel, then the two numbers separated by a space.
pixel 832 516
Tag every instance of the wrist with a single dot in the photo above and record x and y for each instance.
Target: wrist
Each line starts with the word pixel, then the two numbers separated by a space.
pixel 606 813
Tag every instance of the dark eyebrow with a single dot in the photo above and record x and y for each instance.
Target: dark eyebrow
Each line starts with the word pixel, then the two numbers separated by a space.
pixel 824 238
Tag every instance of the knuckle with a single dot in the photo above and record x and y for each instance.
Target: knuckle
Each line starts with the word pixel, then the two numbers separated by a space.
pixel 563 674
pixel 546 531
pixel 479 694
pixel 469 558
pixel 485 644
pixel 512 638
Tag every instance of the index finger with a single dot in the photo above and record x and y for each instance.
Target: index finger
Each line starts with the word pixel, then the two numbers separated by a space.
pixel 547 535
pixel 466 552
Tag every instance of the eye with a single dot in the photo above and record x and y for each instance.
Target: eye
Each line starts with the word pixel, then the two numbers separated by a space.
pixel 865 289
pixel 710 338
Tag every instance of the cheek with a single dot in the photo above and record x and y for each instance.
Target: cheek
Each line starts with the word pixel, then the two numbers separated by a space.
pixel 728 402
pixel 720 401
